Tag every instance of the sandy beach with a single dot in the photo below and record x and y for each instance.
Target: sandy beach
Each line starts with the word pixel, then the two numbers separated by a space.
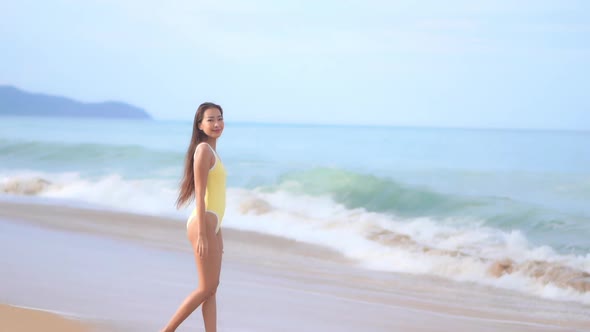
pixel 16 319
pixel 123 272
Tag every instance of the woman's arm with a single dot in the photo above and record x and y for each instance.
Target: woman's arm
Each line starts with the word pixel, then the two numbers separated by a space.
pixel 220 240
pixel 202 164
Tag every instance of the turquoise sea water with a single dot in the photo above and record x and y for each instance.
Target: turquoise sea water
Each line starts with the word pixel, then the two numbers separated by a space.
pixel 446 202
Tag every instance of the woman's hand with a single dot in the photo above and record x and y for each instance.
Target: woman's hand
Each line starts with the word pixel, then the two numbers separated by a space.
pixel 202 246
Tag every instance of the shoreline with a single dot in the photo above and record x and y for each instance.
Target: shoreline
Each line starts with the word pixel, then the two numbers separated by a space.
pixel 20 319
pixel 136 259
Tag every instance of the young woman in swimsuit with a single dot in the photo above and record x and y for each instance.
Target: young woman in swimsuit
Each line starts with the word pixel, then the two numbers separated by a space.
pixel 203 180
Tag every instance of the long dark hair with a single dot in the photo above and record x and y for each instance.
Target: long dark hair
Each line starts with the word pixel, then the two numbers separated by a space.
pixel 187 184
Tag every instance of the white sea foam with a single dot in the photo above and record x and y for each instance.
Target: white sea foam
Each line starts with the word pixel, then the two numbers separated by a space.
pixel 462 250
pixel 110 192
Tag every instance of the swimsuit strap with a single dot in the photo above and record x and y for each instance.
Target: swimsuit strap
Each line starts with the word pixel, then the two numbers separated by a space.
pixel 212 150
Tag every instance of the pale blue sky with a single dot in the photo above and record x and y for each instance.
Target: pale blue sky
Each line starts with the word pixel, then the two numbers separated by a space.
pixel 500 63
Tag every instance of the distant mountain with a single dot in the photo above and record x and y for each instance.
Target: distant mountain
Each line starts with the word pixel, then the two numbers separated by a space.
pixel 15 102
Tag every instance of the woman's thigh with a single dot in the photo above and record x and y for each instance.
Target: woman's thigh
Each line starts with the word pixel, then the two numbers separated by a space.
pixel 208 266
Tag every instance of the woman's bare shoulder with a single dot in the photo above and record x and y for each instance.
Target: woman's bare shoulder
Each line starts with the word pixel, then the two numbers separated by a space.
pixel 203 154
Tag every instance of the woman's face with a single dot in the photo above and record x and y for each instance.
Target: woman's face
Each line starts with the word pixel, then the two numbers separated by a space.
pixel 212 123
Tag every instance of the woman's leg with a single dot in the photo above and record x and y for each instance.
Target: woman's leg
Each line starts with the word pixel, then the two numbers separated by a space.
pixel 208 271
pixel 210 304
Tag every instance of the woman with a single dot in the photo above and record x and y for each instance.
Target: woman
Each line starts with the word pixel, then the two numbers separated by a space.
pixel 204 179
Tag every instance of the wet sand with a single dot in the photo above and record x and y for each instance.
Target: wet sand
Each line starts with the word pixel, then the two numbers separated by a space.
pixel 125 272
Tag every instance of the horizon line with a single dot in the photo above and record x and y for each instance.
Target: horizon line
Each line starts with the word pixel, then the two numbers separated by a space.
pixel 399 126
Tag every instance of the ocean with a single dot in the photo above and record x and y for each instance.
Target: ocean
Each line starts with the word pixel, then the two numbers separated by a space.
pixel 502 208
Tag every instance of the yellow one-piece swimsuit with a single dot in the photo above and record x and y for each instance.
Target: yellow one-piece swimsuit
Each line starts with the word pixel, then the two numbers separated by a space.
pixel 215 192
